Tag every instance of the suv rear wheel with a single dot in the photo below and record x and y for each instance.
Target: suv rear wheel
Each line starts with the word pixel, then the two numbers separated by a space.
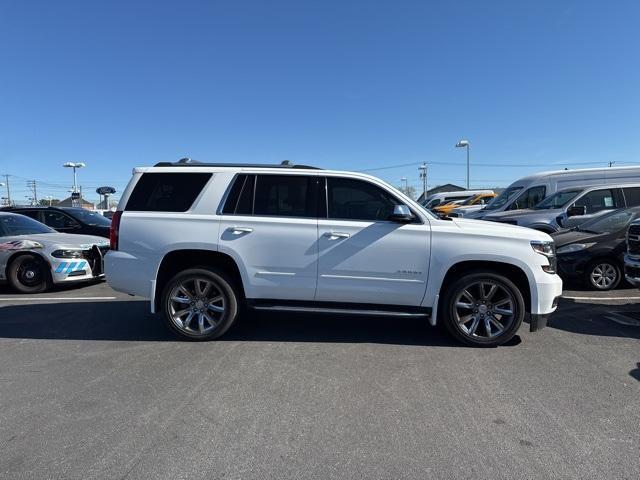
pixel 200 303
pixel 483 309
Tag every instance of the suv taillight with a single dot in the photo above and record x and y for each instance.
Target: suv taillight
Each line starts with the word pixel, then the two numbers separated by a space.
pixel 115 230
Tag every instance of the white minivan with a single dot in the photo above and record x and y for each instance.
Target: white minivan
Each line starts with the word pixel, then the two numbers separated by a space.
pixel 530 190
pixel 436 199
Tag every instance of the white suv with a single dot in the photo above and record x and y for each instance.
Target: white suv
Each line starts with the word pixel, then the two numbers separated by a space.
pixel 203 240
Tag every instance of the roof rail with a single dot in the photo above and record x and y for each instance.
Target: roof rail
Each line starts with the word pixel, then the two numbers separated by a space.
pixel 187 162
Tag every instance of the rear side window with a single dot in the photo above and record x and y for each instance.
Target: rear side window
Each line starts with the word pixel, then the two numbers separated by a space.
pixel 29 213
pixel 166 192
pixel 285 196
pixel 240 198
pixel 632 196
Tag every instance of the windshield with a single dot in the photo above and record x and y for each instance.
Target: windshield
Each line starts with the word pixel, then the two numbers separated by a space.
pixel 470 200
pixel 434 202
pixel 90 218
pixel 557 200
pixel 11 225
pixel 503 198
pixel 610 222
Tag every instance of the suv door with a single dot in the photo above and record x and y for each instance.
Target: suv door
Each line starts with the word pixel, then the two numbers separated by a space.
pixel 364 257
pixel 270 226
pixel 60 221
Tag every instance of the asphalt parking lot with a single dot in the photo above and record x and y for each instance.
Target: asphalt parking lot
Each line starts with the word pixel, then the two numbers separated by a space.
pixel 93 386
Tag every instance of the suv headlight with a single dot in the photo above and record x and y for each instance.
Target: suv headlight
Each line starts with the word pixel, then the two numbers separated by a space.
pixel 548 249
pixel 67 254
pixel 574 247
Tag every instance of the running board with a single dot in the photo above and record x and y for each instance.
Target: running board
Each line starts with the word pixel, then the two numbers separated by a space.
pixel 378 312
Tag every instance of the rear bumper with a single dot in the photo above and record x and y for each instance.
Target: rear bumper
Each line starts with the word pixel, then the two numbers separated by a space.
pixel 129 273
pixel 632 270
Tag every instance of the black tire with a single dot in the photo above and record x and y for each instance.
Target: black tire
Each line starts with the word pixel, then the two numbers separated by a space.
pixel 598 273
pixel 473 283
pixel 222 285
pixel 29 273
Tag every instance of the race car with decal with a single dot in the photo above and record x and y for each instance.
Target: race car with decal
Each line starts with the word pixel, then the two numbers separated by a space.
pixel 34 257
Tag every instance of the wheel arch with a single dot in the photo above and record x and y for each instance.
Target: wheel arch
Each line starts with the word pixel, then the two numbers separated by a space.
pixel 512 272
pixel 178 260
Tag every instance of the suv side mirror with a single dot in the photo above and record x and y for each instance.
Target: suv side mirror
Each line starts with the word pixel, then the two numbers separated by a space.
pixel 574 211
pixel 401 214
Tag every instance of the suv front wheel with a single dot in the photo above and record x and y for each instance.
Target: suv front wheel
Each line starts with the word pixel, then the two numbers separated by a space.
pixel 200 303
pixel 483 309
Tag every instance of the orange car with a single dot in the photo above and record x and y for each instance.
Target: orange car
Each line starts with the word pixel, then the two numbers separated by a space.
pixel 479 199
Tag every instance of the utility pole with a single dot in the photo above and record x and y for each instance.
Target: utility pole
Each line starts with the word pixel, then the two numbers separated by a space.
pixel 423 175
pixel 33 186
pixel 6 176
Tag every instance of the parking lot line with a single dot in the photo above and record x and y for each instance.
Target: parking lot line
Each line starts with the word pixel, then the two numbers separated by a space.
pixel 31 299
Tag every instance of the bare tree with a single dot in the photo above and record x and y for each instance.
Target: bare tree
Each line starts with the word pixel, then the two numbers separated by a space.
pixel 409 191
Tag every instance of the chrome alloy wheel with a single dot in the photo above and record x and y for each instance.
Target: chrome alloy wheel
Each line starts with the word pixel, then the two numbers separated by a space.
pixel 603 276
pixel 484 309
pixel 196 306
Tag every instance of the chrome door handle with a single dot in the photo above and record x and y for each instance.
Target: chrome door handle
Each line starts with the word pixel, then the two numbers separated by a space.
pixel 336 235
pixel 239 230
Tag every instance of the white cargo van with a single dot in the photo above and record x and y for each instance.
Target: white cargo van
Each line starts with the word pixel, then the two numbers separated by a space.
pixel 442 198
pixel 530 190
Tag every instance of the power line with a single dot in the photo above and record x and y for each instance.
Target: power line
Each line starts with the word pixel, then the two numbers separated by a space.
pixel 491 165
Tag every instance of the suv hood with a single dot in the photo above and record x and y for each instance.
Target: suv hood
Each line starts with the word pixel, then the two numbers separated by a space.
pixel 495 229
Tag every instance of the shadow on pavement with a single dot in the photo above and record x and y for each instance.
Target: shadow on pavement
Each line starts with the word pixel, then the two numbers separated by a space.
pixel 5 289
pixel 589 319
pixel 635 373
pixel 131 321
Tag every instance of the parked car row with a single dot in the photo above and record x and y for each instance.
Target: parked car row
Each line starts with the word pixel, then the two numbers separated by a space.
pixel 587 212
pixel 529 191
pixel 588 224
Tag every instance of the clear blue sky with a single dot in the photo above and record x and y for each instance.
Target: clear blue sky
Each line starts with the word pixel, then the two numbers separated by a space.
pixel 343 84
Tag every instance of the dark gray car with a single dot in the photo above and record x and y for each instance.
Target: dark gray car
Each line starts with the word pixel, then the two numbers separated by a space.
pixel 570 207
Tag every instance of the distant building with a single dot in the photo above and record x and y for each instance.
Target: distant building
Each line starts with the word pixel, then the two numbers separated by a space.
pixel 447 187
pixel 68 202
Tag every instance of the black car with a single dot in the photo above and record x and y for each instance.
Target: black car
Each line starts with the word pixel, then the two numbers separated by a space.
pixel 594 252
pixel 68 219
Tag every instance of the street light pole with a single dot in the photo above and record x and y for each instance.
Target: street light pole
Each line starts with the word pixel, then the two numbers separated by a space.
pixel 406 185
pixel 465 143
pixel 75 182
